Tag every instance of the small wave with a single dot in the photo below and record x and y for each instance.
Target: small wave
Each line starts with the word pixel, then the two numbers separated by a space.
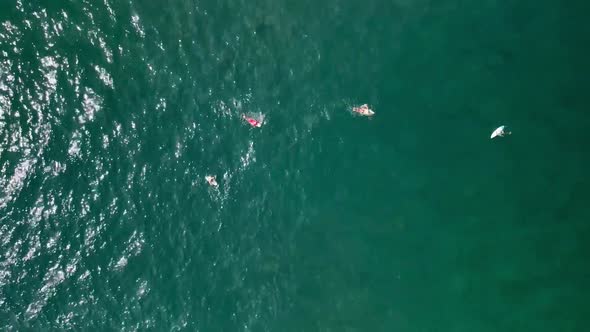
pixel 137 25
pixel 51 280
pixel 104 76
pixel 91 104
pixel 133 248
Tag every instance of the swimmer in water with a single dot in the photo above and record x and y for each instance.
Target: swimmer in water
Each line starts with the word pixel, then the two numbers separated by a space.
pixel 253 122
pixel 211 181
pixel 363 110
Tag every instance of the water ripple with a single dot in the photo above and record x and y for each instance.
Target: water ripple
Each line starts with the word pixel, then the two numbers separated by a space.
pixel 108 125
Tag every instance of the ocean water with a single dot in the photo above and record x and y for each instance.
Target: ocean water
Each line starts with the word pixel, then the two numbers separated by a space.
pixel 113 112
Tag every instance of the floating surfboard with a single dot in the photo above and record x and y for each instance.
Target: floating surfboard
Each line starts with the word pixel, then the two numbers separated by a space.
pixel 500 132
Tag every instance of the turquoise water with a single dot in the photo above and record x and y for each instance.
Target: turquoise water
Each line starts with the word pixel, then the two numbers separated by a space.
pixel 112 113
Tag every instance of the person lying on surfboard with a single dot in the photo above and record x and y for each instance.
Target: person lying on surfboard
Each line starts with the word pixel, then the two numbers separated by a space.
pixel 211 180
pixel 253 122
pixel 363 110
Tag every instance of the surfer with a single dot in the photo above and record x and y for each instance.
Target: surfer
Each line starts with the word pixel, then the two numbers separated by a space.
pixel 211 181
pixel 253 122
pixel 500 132
pixel 363 110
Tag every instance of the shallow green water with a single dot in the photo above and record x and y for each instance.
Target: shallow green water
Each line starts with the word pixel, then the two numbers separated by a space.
pixel 112 113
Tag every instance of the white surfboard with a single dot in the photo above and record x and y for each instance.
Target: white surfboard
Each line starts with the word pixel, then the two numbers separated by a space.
pixel 499 132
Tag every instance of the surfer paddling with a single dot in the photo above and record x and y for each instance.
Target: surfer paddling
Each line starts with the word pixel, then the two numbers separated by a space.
pixel 253 122
pixel 500 132
pixel 211 181
pixel 363 110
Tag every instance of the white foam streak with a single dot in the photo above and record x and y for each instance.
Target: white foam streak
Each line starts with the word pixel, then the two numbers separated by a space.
pixel 50 67
pixel 104 76
pixel 249 156
pixel 91 104
pixel 16 182
pixel 137 25
pixel 52 279
pixel 133 248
